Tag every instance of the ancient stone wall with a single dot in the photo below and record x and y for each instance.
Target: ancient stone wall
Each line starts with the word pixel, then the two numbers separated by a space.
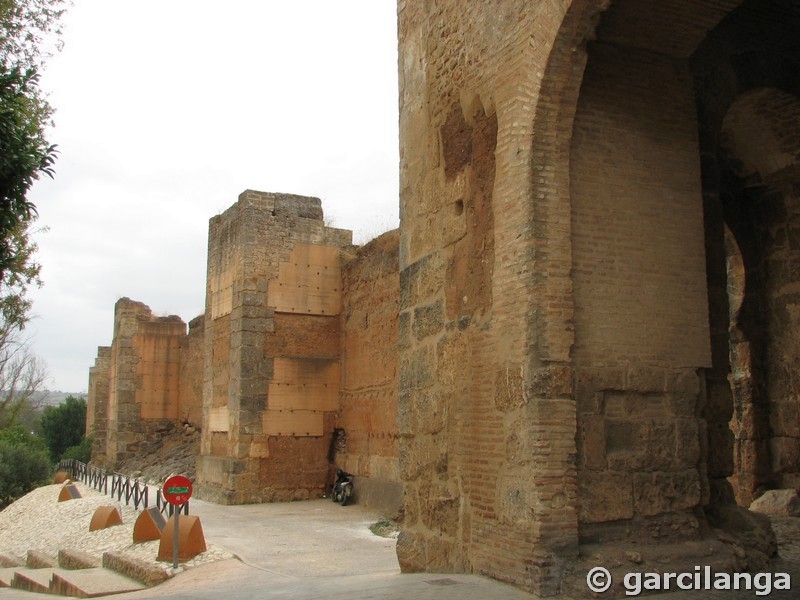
pixel 97 400
pixel 747 98
pixel 272 366
pixel 638 251
pixel 143 383
pixel 192 356
pixel 366 443
pixel 561 380
pixel 262 372
pixel 485 410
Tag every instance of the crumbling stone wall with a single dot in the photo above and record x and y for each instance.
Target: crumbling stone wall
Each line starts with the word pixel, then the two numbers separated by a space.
pixel 366 441
pixel 747 90
pixel 564 313
pixel 135 385
pixel 272 364
pixel 192 356
pixel 485 409
pixel 97 401
pixel 262 373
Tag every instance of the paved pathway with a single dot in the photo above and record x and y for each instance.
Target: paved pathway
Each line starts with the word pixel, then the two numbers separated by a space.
pixel 318 549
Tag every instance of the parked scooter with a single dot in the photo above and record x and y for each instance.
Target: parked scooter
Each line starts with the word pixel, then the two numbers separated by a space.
pixel 342 487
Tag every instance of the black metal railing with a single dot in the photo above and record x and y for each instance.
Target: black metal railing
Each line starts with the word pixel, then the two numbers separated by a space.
pixel 133 491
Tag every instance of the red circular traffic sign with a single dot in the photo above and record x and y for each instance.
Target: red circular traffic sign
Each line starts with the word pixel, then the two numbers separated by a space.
pixel 177 490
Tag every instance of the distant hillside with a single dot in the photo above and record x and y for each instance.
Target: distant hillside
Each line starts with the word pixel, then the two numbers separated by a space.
pixel 50 398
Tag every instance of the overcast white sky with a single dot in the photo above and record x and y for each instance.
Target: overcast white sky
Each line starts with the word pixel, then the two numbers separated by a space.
pixel 165 111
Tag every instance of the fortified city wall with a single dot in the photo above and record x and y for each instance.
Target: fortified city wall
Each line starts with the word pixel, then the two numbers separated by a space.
pixel 290 372
pixel 136 388
pixel 598 277
pixel 586 328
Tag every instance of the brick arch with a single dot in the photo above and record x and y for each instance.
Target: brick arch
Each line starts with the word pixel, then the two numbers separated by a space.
pixel 604 386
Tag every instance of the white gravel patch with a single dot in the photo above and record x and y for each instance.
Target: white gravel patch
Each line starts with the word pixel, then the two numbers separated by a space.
pixel 38 521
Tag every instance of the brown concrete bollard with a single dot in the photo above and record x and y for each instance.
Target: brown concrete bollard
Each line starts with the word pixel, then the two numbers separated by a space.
pixel 69 492
pixel 149 525
pixel 190 538
pixel 105 516
pixel 61 477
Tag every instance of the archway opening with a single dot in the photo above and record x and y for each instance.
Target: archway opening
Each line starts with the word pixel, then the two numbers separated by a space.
pixel 758 163
pixel 682 402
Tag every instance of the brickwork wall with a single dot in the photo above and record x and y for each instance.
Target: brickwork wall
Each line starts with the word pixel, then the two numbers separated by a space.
pixel 97 401
pixel 638 251
pixel 368 414
pixel 262 273
pixel 192 355
pixel 485 416
pixel 142 382
pixel 537 350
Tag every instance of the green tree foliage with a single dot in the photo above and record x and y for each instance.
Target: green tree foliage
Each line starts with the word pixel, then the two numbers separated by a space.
pixel 24 464
pixel 81 452
pixel 24 154
pixel 64 425
pixel 28 29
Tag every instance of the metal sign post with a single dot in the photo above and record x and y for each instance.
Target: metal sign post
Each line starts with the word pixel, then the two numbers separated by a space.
pixel 177 510
pixel 177 491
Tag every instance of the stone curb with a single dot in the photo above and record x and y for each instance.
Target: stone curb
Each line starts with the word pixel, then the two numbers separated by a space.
pixel 9 561
pixel 134 568
pixel 72 558
pixel 40 560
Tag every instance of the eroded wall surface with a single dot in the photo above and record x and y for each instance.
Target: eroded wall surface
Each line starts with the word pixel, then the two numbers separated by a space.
pixel 366 443
pixel 192 357
pixel 486 415
pixel 97 400
pixel 561 381
pixel 142 380
pixel 272 358
pixel 298 342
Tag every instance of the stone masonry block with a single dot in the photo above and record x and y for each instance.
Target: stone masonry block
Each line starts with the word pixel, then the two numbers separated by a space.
pixel 593 442
pixel 420 453
pixel 785 454
pixel 660 492
pixel 785 419
pixel 421 280
pixel 590 382
pixel 509 389
pixel 554 381
pixel 428 319
pixel 687 443
pixel 404 330
pixel 241 339
pixel 645 379
pixel 430 411
pixel 405 413
pixel 253 386
pixel 451 353
pixel 417 368
pixel 605 496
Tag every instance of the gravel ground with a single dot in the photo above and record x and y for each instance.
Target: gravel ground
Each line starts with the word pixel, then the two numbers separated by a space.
pixel 38 521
